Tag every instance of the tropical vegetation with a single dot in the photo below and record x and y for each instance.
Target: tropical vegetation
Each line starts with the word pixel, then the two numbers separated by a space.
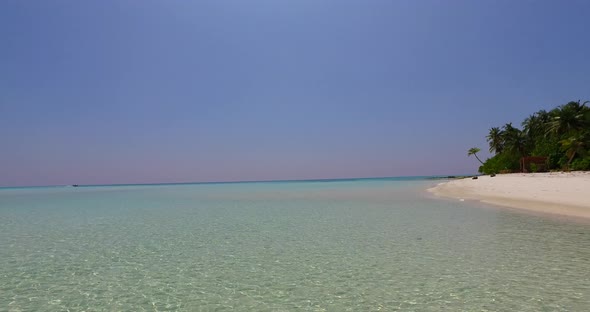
pixel 562 135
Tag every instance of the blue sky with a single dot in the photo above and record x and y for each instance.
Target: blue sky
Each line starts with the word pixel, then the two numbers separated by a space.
pixel 166 91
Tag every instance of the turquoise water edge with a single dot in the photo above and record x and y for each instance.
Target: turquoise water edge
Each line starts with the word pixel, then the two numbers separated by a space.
pixel 349 245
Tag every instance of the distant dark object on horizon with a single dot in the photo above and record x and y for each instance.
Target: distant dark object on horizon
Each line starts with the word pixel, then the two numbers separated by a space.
pixel 75 185
pixel 492 175
pixel 474 178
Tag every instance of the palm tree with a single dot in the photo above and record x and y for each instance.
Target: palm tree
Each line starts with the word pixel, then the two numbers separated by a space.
pixel 515 141
pixel 530 124
pixel 473 151
pixel 543 116
pixel 568 118
pixel 574 145
pixel 496 140
pixel 534 126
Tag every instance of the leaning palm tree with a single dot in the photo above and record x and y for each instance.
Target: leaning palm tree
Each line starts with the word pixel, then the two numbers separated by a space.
pixel 473 151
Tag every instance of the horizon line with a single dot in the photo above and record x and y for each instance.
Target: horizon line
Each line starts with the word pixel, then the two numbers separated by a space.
pixel 239 181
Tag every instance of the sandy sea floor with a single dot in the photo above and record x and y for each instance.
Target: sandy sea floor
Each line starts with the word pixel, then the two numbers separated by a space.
pixel 371 245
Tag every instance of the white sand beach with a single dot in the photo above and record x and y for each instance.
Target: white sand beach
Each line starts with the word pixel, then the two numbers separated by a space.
pixel 557 193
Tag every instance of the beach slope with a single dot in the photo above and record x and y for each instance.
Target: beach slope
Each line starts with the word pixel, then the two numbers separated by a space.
pixel 554 193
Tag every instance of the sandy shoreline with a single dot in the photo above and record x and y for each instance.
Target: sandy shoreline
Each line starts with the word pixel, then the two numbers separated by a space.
pixel 557 193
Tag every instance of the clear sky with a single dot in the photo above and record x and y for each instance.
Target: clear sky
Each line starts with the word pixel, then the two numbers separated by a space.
pixel 177 91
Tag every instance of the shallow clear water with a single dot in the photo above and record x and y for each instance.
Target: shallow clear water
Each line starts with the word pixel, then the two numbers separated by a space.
pixel 369 245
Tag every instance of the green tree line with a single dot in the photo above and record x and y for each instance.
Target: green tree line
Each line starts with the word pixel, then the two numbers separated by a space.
pixel 562 135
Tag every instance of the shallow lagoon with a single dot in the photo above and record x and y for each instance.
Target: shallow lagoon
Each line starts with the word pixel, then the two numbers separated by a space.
pixel 356 245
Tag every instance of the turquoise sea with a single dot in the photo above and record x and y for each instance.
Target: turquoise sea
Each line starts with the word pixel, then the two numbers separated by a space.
pixel 341 245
